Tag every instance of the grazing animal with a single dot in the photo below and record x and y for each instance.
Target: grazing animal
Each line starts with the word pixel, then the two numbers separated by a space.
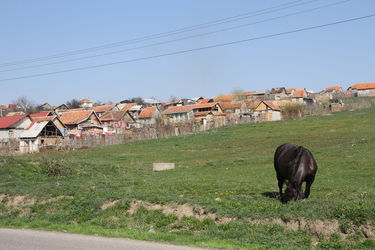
pixel 294 164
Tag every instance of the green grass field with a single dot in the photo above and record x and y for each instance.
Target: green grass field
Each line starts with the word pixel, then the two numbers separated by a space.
pixel 225 173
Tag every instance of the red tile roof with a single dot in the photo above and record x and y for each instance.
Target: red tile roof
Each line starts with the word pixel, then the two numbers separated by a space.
pixel 41 114
pixel 6 122
pixel 335 88
pixel 289 91
pixel 147 113
pixel 254 105
pixel 299 93
pixel 272 105
pixel 204 105
pixel 229 105
pixel 362 86
pixel 42 119
pixel 85 101
pixel 249 93
pixel 128 106
pixel 114 115
pixel 207 100
pixel 169 103
pixel 75 117
pixel 104 108
pixel 179 109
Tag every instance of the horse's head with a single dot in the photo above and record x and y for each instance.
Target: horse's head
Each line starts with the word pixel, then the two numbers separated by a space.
pixel 292 194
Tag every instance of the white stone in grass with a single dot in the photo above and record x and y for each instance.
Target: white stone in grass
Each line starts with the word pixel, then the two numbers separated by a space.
pixel 162 166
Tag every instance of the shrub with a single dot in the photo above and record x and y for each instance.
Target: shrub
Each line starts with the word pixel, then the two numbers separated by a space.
pixel 55 167
pixel 293 110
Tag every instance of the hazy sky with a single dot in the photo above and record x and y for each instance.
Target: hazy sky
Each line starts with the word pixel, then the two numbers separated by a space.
pixel 337 55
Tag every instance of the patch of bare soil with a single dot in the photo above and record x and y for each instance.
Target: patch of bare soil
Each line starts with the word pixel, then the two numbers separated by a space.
pixel 17 201
pixel 108 204
pixel 180 210
pixel 316 228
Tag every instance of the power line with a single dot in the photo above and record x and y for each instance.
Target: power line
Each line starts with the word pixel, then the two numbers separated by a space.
pixel 178 39
pixel 164 34
pixel 190 50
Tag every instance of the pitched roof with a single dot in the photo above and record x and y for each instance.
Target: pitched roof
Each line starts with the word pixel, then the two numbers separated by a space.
pixel 85 101
pixel 224 98
pixel 206 100
pixel 249 93
pixel 299 93
pixel 147 113
pixel 272 105
pixel 128 106
pixel 7 121
pixel 41 114
pixel 254 105
pixel 15 113
pixel 289 91
pixel 41 119
pixel 363 86
pixel 104 108
pixel 203 113
pixel 229 105
pixel 179 109
pixel 75 117
pixel 115 115
pixel 204 105
pixel 170 103
pixel 335 88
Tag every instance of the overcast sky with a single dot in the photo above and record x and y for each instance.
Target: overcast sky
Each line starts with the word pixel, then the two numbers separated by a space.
pixel 341 54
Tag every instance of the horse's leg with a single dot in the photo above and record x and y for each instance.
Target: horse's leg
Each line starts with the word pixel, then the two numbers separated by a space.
pixel 280 183
pixel 309 182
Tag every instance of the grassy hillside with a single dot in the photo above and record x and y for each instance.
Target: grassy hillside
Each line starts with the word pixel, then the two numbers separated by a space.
pixel 221 194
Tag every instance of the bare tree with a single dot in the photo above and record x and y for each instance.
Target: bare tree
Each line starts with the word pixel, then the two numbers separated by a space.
pixel 239 94
pixel 137 100
pixel 73 104
pixel 25 104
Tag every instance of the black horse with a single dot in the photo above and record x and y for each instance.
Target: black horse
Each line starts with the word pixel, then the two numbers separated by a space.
pixel 295 164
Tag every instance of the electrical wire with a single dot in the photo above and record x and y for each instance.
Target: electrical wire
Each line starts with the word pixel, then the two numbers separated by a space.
pixel 176 40
pixel 164 34
pixel 191 50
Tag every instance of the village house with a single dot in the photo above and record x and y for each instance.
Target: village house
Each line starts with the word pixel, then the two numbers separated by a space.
pixel 180 113
pixel 135 111
pixel 267 111
pixel 45 106
pixel 300 95
pixel 278 93
pixel 100 110
pixel 11 126
pixel 363 89
pixel 333 90
pixel 86 104
pixel 55 119
pixel 117 121
pixel 232 110
pixel 82 122
pixel 205 100
pixel 61 108
pixel 167 105
pixel 125 106
pixel 151 102
pixel 40 134
pixel 148 116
